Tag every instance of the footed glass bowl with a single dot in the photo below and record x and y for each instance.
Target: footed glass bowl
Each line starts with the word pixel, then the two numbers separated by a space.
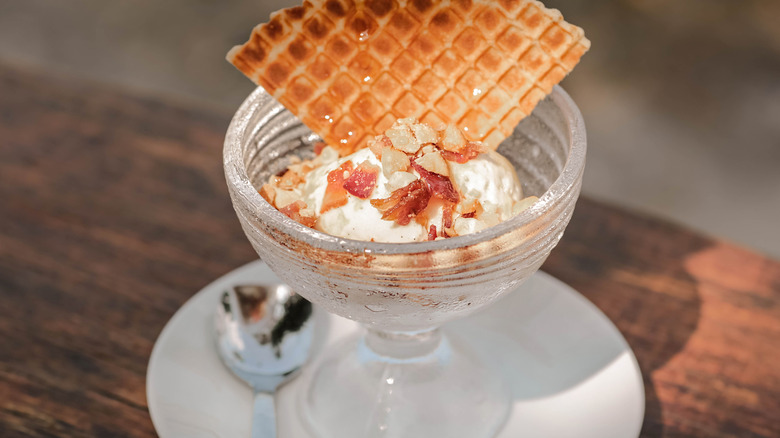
pixel 402 377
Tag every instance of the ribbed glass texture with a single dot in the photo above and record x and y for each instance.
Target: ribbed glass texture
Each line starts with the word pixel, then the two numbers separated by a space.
pixel 406 286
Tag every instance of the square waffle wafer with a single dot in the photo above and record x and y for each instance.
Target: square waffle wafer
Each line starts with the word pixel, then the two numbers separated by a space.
pixel 349 68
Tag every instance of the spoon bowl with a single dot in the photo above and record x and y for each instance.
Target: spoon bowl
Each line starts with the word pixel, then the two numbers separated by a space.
pixel 264 334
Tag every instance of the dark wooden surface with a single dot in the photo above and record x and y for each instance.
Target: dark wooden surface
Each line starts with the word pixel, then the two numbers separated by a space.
pixel 114 211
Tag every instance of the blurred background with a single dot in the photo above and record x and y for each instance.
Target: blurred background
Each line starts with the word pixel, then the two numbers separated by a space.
pixel 681 98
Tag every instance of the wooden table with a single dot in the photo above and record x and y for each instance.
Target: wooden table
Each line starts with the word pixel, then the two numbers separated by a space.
pixel 114 211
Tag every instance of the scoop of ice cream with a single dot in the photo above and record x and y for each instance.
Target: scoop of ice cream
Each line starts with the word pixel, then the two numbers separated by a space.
pixel 357 219
pixel 489 178
pixel 411 184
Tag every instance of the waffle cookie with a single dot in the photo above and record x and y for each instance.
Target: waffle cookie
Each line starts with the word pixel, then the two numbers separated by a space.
pixel 349 68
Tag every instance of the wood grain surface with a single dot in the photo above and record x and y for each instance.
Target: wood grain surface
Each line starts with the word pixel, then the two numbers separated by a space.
pixel 114 211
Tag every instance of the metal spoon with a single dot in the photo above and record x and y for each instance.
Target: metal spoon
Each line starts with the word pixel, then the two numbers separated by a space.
pixel 263 337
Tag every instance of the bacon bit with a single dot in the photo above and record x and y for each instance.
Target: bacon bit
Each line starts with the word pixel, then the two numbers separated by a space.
pixel 318 147
pixel 293 211
pixel 335 194
pixel 468 152
pixel 404 203
pixel 447 221
pixel 469 215
pixel 432 233
pixel 363 180
pixel 439 185
pixel 446 216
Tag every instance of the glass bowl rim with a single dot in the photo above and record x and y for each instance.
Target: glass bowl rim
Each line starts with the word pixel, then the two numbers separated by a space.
pixel 244 191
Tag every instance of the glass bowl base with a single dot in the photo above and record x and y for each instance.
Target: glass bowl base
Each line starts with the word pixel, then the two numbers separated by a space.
pixel 450 392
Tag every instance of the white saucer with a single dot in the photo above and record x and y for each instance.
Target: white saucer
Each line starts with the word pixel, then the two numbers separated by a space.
pixel 572 373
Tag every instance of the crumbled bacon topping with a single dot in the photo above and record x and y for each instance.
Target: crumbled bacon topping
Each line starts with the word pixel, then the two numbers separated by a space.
pixel 470 151
pixel 362 181
pixel 404 203
pixel 294 212
pixel 335 193
pixel 439 185
pixel 446 218
pixel 408 144
pixel 432 233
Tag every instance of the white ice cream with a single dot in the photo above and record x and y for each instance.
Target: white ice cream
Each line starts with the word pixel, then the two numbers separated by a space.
pixel 489 178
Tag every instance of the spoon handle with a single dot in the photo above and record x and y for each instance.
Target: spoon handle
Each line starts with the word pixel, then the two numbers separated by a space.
pixel 263 416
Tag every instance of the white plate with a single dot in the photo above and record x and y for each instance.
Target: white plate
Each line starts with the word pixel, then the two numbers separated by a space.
pixel 572 373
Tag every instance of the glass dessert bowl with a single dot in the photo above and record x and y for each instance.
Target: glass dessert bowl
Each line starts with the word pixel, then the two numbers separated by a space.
pixel 401 377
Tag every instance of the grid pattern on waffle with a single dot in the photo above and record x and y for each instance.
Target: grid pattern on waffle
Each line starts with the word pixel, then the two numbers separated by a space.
pixel 348 69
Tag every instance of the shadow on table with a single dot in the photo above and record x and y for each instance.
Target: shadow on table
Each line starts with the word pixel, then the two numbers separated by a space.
pixel 661 326
pixel 637 276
